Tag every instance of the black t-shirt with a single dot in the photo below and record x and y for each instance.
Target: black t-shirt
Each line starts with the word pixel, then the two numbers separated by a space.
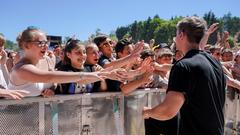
pixel 70 88
pixel 201 79
pixel 92 87
pixel 112 85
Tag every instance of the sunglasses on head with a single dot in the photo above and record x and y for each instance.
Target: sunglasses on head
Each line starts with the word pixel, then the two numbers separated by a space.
pixel 72 41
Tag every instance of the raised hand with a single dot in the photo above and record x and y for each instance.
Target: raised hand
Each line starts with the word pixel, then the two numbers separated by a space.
pixel 3 57
pixel 147 65
pixel 147 78
pixel 212 28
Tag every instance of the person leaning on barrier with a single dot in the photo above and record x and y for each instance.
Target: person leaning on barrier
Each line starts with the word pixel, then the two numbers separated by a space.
pixel 196 85
pixel 25 75
pixel 107 59
pixel 12 94
pixel 74 59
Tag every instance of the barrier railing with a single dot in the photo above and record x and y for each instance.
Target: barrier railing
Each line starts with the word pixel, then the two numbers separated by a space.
pixel 81 114
pixel 91 114
pixel 232 125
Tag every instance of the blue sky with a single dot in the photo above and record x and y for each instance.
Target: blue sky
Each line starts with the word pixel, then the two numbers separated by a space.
pixel 83 17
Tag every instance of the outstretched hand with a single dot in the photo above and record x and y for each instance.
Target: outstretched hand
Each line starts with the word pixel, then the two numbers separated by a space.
pixel 13 94
pixel 147 65
pixel 119 74
pixel 138 47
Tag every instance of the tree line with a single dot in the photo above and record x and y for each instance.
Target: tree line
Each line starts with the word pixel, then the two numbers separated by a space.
pixel 163 31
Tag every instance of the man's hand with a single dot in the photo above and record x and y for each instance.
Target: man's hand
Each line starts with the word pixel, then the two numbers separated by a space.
pixel 146 112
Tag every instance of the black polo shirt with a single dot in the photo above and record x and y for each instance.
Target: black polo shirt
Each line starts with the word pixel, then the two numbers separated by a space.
pixel 201 79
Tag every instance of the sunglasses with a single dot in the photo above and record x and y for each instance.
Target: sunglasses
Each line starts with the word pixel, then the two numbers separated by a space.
pixel 106 44
pixel 40 43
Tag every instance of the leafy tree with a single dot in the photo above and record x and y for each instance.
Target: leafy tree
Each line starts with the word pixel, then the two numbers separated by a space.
pixel 135 31
pixel 146 35
pixel 11 45
pixel 210 18
pixel 113 36
pixel 231 24
pixel 121 31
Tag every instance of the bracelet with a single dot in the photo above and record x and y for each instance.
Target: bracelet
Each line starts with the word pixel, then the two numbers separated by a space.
pixel 80 75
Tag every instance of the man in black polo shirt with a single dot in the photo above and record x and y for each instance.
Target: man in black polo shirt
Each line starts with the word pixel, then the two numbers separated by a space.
pixel 196 85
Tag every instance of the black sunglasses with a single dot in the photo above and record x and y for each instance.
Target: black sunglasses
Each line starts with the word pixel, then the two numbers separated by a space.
pixel 40 43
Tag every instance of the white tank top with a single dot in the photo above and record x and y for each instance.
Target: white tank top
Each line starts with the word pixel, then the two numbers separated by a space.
pixel 35 89
pixel 2 79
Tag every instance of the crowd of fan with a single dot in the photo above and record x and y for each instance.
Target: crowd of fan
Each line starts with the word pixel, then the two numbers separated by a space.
pixel 115 66
pixel 102 65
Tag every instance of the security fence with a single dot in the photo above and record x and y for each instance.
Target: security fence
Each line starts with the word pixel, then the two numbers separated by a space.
pixel 232 122
pixel 91 114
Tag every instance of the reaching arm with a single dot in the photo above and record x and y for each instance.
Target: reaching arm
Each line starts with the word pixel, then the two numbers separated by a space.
pixel 31 73
pixel 3 61
pixel 233 82
pixel 204 39
pixel 162 67
pixel 128 59
pixel 168 108
pixel 13 94
pixel 133 85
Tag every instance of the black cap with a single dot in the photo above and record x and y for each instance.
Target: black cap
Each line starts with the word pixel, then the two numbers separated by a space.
pixel 120 45
pixel 99 39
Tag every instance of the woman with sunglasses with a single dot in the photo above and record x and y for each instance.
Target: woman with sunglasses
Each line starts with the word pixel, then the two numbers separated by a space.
pixel 25 75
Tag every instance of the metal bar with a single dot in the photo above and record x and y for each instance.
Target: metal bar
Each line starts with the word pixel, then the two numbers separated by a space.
pixel 54 116
pixel 41 118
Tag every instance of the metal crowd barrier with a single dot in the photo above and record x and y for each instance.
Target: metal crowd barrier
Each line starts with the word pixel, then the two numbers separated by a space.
pixel 232 122
pixel 92 114
pixel 80 114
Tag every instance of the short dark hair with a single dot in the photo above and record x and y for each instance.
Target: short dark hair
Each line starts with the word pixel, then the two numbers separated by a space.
pixel 121 44
pixel 99 39
pixel 147 53
pixel 194 27
pixel 70 45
